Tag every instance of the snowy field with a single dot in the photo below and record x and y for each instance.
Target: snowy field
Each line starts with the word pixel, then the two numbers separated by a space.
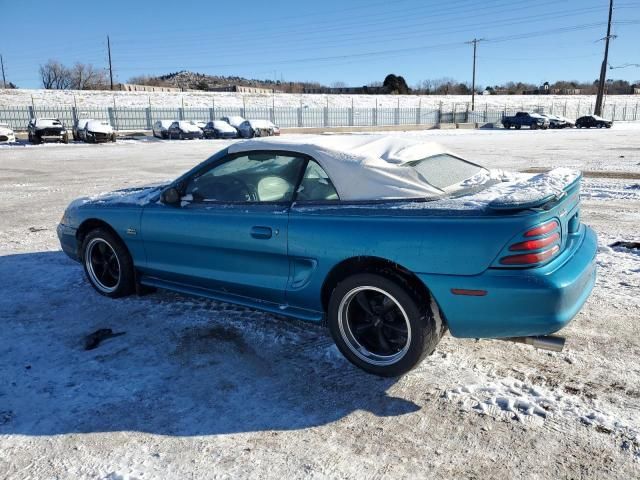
pixel 102 98
pixel 200 389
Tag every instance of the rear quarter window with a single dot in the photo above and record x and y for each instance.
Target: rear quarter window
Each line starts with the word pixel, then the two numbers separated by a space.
pixel 444 170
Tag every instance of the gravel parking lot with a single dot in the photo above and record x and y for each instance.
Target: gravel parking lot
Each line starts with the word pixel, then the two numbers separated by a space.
pixel 200 389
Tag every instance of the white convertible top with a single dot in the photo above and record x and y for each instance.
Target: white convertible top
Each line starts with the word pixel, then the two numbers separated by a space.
pixel 361 167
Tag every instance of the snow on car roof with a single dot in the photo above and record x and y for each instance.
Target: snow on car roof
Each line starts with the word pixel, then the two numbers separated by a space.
pixel 361 167
pixel 260 123
pixel 47 122
pixel 222 125
pixel 187 126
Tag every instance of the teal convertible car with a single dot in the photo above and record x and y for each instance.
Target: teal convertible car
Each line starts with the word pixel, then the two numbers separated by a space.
pixel 391 241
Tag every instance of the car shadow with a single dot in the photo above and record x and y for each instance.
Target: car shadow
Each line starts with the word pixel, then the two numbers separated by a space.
pixel 183 367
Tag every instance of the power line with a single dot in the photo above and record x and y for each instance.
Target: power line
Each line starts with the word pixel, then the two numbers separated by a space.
pixel 625 65
pixel 376 39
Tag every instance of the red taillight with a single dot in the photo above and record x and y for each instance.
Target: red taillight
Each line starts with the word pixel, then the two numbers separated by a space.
pixel 542 229
pixel 536 244
pixel 530 258
pixel 548 242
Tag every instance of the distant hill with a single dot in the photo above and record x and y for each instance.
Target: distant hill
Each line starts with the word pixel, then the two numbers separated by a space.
pixel 201 81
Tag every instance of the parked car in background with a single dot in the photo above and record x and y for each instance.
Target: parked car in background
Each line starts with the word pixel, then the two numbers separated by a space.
pixel 595 121
pixel 423 242
pixel 47 130
pixel 531 120
pixel 557 121
pixel 219 129
pixel 7 135
pixel 198 123
pixel 234 121
pixel 257 128
pixel 161 128
pixel 183 129
pixel 98 131
pixel 78 128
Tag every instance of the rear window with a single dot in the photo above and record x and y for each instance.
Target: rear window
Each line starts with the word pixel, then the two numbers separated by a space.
pixel 444 170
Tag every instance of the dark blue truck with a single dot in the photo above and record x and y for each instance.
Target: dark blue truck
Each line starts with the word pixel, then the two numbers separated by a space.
pixel 531 120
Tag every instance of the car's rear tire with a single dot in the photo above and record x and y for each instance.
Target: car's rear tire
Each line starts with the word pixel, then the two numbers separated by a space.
pixel 108 264
pixel 380 326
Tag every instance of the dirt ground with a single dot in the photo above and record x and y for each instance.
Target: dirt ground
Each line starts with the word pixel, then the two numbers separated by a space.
pixel 200 389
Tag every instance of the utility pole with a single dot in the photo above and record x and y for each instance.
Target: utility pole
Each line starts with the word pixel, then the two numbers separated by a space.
pixel 474 42
pixel 110 67
pixel 4 80
pixel 603 69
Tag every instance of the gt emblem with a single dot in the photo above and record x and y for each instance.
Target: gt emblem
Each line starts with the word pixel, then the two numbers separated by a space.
pixel 131 231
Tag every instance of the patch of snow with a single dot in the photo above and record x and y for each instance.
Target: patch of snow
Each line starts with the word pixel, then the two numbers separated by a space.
pixel 521 399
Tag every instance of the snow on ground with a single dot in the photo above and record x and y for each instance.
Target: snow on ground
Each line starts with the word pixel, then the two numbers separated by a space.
pixel 104 98
pixel 201 389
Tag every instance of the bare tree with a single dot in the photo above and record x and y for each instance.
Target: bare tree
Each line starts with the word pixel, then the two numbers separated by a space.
pixel 87 77
pixel 55 75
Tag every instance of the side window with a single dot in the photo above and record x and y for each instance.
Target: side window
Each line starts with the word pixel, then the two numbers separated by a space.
pixel 251 177
pixel 316 185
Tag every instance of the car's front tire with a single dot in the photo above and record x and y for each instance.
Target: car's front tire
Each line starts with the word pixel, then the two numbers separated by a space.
pixel 380 326
pixel 108 264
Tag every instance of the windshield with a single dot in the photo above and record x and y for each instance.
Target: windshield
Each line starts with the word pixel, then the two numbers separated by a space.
pixel 445 170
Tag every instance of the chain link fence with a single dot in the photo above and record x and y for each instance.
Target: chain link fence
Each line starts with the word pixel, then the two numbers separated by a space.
pixel 142 118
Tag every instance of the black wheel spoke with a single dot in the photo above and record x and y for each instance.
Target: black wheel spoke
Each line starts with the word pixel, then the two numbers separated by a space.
pixel 362 300
pixel 382 341
pixel 390 305
pixel 396 328
pixel 363 328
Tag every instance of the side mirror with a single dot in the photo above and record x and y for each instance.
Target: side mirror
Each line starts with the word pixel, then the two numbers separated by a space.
pixel 171 196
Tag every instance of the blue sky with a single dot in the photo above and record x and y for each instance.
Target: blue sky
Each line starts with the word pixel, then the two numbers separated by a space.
pixel 355 42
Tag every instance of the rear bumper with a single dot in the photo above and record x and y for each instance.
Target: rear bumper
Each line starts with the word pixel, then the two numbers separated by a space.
pixel 68 241
pixel 525 302
pixel 51 138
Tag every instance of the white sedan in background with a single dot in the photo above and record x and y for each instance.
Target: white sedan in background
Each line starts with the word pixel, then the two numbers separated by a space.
pixel 7 135
pixel 235 120
pixel 257 128
pixel 97 131
pixel 78 128
pixel 161 128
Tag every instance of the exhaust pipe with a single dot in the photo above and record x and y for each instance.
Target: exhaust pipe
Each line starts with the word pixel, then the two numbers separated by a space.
pixel 554 343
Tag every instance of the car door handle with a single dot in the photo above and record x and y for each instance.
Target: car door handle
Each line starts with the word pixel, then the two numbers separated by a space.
pixel 261 232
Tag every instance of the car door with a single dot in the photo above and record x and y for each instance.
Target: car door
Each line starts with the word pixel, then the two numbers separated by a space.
pixel 229 232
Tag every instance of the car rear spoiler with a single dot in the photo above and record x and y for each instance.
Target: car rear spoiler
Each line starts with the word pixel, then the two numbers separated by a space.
pixel 538 190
